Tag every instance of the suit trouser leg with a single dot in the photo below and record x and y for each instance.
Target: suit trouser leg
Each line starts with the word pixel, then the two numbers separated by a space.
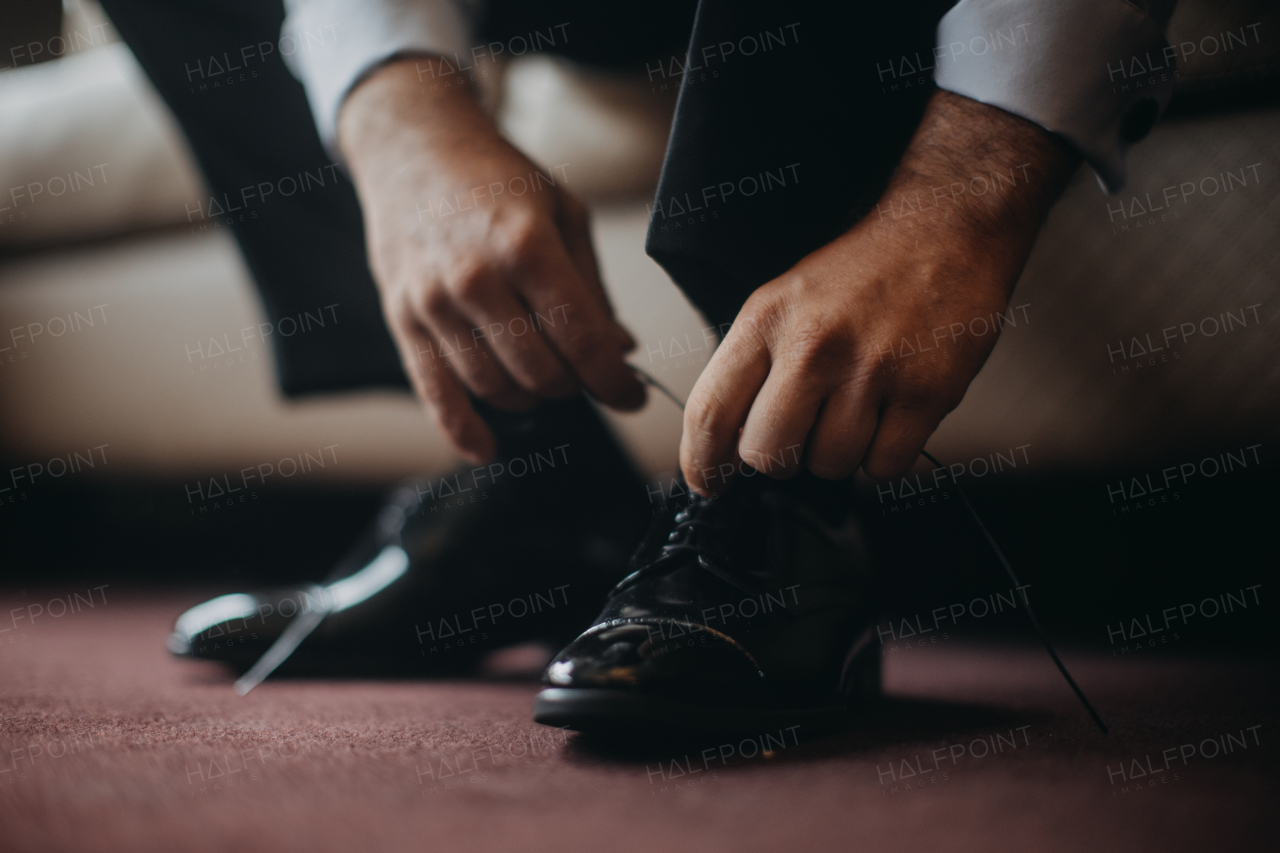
pixel 218 66
pixel 790 122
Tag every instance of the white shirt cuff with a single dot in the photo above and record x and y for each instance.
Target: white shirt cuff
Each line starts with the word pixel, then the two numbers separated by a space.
pixel 330 45
pixel 1098 73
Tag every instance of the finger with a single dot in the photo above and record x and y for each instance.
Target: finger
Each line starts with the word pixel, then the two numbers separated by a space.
pixel 514 334
pixel 718 407
pixel 898 440
pixel 845 427
pixel 590 340
pixel 781 418
pixel 574 221
pixel 463 346
pixel 439 389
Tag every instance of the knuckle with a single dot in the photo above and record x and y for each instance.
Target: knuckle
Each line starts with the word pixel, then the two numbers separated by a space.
pixel 433 301
pixel 400 304
pixel 705 416
pixel 399 315
pixel 816 344
pixel 469 283
pixel 759 315
pixel 522 241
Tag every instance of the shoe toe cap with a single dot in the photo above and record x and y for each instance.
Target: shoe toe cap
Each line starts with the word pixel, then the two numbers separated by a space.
pixel 654 656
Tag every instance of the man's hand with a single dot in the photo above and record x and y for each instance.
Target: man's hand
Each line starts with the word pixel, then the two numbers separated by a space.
pixel 819 358
pixel 488 279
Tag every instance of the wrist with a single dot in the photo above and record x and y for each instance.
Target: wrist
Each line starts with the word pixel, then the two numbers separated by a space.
pixel 982 172
pixel 390 119
pixel 972 190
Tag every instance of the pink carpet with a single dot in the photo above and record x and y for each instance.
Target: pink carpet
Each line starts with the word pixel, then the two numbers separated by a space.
pixel 108 743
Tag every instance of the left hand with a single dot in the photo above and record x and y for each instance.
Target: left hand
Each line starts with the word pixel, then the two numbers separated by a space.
pixel 813 372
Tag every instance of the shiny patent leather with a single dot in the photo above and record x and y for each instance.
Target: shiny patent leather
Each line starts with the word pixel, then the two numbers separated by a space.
pixel 756 601
pixel 431 592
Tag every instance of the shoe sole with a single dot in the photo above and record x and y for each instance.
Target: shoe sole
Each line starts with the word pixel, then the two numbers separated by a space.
pixel 606 711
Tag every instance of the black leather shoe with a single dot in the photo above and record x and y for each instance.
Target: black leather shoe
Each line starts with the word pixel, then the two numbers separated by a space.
pixel 749 611
pixel 451 569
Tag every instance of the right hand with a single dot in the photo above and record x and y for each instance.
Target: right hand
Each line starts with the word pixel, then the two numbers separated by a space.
pixel 455 283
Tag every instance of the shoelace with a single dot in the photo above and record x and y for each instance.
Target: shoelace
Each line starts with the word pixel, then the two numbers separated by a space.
pixel 1004 561
pixel 340 591
pixel 683 541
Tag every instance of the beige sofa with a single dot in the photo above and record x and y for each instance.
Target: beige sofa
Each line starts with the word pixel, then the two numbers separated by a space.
pixel 1072 379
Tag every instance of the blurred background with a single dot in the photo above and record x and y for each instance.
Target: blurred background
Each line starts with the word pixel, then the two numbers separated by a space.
pixel 128 382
